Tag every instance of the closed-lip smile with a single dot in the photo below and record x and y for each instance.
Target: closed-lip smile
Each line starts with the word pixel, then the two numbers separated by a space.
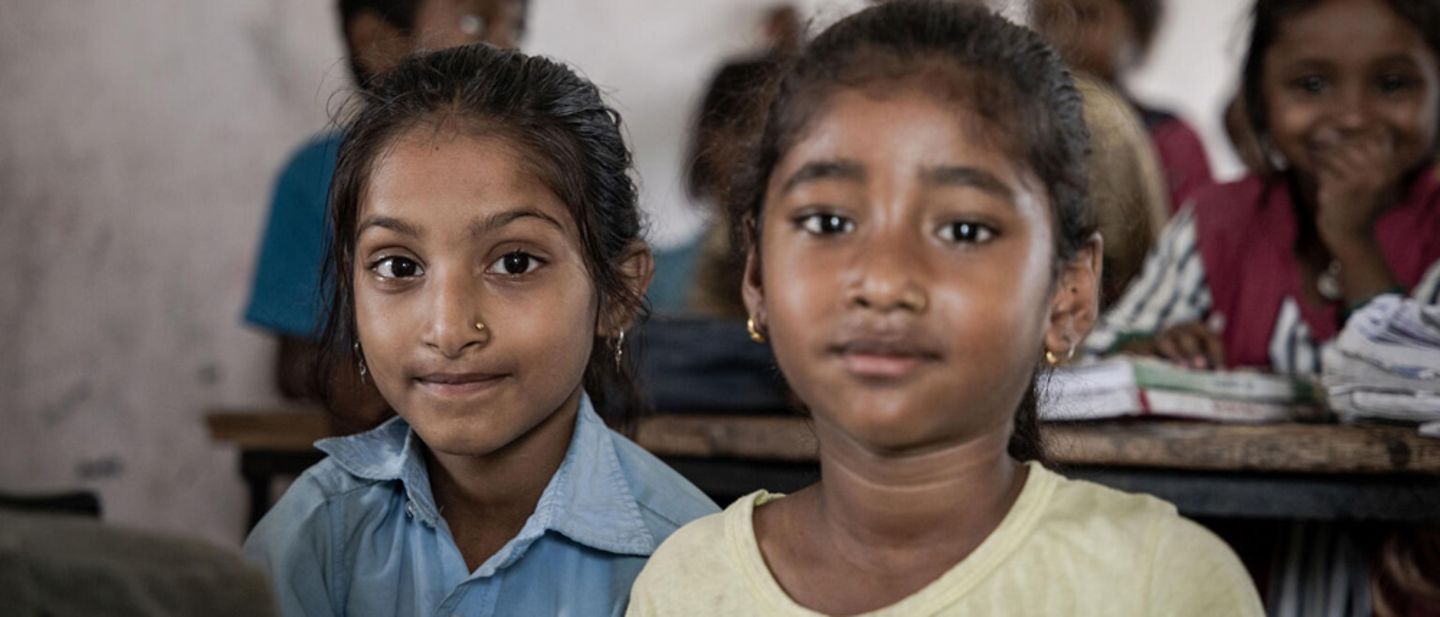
pixel 447 384
pixel 883 358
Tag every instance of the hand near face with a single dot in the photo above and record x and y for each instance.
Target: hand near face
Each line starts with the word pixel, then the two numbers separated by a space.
pixel 1192 345
pixel 1354 173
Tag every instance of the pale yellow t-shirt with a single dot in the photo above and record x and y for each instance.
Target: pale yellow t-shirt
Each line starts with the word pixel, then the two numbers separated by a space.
pixel 1067 547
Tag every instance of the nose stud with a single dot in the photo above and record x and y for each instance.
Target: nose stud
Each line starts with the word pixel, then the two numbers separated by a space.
pixel 479 326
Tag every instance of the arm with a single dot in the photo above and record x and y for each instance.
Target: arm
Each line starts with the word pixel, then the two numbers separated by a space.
pixel 1161 313
pixel 294 544
pixel 1358 179
pixel 1192 572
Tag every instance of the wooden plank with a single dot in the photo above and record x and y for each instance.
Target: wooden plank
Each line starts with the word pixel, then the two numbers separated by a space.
pixel 772 438
pixel 1287 448
pixel 284 429
pixel 1158 444
pixel 1283 448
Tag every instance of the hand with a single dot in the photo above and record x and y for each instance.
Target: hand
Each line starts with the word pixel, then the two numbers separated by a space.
pixel 1192 345
pixel 1354 172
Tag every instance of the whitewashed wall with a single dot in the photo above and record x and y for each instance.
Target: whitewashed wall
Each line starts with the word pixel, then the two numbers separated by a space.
pixel 137 146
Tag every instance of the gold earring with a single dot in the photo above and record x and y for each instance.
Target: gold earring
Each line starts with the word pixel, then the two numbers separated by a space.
pixel 755 334
pixel 1051 358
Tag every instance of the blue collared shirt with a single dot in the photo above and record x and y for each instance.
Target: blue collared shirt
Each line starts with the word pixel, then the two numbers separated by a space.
pixel 359 533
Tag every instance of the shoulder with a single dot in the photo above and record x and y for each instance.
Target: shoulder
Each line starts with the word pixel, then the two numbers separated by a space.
pixel 1086 502
pixel 316 153
pixel 1193 572
pixel 695 563
pixel 305 517
pixel 1190 571
pixel 309 169
pixel 666 499
pixel 1241 195
pixel 1223 210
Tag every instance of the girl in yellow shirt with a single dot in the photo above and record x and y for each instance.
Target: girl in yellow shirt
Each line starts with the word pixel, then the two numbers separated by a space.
pixel 919 246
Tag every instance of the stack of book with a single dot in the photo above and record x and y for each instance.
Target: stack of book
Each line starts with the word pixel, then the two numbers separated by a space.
pixel 1127 386
pixel 1386 363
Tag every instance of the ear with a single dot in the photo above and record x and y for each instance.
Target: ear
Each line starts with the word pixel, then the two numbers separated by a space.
pixel 375 43
pixel 637 268
pixel 1075 306
pixel 753 290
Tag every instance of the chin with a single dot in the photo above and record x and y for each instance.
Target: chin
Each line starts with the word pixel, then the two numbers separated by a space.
pixel 463 435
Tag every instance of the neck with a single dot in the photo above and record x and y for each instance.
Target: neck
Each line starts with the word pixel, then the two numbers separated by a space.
pixel 913 503
pixel 502 487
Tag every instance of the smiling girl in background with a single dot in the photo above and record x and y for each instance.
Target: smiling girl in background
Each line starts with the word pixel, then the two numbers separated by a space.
pixel 920 245
pixel 487 263
pixel 1344 96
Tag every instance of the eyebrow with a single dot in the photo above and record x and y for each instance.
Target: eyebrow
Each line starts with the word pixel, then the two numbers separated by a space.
pixel 388 222
pixel 476 228
pixel 836 169
pixel 501 219
pixel 971 177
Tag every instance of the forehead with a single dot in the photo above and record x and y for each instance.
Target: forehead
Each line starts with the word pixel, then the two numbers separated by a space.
pixel 901 126
pixel 432 174
pixel 1345 31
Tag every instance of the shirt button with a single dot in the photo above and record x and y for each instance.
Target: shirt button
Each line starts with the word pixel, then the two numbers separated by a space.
pixel 410 509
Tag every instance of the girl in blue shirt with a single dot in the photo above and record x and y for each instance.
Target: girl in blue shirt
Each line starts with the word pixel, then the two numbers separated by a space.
pixel 487 262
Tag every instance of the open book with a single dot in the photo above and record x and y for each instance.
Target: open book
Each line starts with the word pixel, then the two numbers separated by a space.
pixel 1126 386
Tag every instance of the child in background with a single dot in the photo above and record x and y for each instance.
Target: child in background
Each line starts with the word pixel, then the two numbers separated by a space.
pixel 1107 38
pixel 487 262
pixel 1345 97
pixel 920 245
pixel 1127 186
pixel 286 297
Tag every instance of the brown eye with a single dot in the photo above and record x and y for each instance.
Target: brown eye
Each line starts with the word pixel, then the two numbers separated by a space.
pixel 966 232
pixel 515 264
pixel 825 224
pixel 397 268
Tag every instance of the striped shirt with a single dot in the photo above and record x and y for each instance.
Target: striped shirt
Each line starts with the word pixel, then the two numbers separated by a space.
pixel 1172 290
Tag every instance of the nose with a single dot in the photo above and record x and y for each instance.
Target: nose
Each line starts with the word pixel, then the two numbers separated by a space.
pixel 888 276
pixel 454 322
pixel 1351 109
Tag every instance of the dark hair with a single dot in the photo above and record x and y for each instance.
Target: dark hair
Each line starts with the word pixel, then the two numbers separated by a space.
pixel 567 135
pixel 1269 17
pixel 1007 74
pixel 732 105
pixel 1145 16
pixel 398 13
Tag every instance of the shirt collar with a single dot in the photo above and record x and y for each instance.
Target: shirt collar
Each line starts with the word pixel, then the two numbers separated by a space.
pixel 587 500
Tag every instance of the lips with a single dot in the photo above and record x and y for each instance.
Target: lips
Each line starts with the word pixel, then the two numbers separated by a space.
pixel 884 359
pixel 453 385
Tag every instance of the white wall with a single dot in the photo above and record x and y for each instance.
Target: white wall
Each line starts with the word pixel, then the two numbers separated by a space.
pixel 137 146
pixel 1195 67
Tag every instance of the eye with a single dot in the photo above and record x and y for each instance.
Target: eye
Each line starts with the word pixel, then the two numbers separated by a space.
pixel 966 232
pixel 515 263
pixel 1310 84
pixel 396 267
pixel 1393 83
pixel 825 224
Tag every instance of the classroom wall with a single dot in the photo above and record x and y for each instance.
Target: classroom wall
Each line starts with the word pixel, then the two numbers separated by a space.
pixel 137 146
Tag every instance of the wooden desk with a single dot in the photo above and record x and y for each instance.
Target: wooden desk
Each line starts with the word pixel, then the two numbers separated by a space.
pixel 1290 471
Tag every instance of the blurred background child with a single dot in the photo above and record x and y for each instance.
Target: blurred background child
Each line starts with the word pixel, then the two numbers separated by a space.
pixel 1109 38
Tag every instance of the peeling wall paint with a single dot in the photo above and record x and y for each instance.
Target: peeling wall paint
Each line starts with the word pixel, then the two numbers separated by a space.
pixel 137 145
